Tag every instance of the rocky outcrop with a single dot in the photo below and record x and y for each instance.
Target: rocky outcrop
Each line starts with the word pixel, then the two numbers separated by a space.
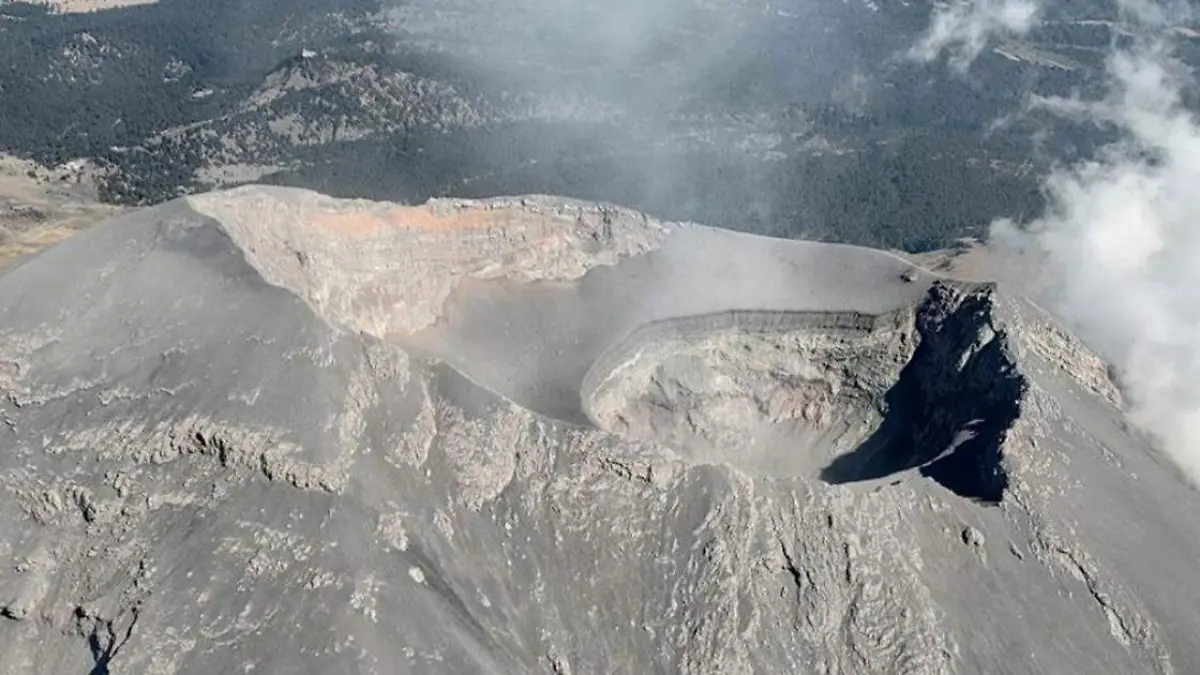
pixel 387 269
pixel 953 403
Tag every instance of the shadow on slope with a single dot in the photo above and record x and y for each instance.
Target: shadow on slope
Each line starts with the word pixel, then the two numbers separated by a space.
pixel 952 406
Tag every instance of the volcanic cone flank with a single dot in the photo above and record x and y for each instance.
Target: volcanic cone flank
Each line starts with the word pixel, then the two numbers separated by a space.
pixel 267 429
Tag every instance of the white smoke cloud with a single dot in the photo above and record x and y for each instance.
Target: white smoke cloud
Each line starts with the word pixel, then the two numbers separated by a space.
pixel 963 29
pixel 1121 230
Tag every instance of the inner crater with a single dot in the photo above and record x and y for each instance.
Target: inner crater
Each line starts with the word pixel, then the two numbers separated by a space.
pixel 771 393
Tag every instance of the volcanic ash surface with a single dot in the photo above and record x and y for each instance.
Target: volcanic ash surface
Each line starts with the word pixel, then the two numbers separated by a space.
pixel 268 430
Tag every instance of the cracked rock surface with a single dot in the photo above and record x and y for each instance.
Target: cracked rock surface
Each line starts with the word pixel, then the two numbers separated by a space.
pixel 268 431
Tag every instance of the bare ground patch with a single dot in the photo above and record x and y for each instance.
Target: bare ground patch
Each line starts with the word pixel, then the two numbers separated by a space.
pixel 82 6
pixel 42 206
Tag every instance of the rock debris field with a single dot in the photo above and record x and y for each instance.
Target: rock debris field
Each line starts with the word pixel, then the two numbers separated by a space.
pixel 264 430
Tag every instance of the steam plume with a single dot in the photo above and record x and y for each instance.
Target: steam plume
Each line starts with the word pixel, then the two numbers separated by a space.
pixel 962 30
pixel 1122 229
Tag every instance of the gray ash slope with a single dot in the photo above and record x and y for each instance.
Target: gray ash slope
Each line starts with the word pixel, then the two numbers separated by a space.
pixel 268 430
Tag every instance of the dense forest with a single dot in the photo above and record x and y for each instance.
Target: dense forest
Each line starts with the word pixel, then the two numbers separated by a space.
pixel 76 85
pixel 335 95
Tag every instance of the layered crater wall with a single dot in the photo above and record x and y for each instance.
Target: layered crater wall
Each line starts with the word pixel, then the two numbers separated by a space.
pixel 845 397
pixel 775 393
pixel 778 358
pixel 387 269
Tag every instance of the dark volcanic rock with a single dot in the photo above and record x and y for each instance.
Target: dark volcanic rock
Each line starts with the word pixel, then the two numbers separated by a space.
pixel 265 430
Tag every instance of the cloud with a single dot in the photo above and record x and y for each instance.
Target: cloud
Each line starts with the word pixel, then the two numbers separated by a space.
pixel 962 30
pixel 1122 231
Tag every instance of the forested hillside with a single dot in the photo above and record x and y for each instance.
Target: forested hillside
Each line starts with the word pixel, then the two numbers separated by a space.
pixel 803 123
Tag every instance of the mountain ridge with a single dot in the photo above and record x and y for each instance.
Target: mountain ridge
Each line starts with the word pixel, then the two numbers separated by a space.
pixel 211 471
